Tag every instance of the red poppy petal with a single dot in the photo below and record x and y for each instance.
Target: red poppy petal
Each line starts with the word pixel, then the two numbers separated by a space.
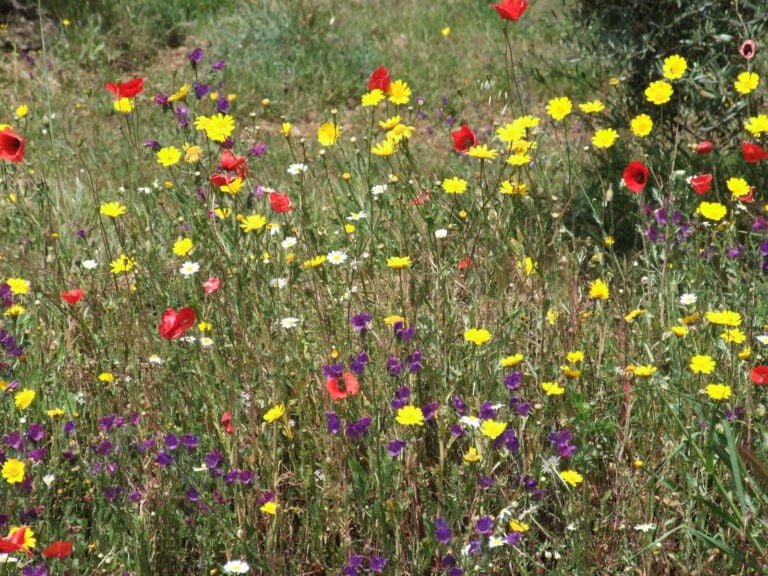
pixel 11 146
pixel 7 547
pixel 72 296
pixel 332 385
pixel 351 383
pixel 759 375
pixel 185 319
pixel 59 549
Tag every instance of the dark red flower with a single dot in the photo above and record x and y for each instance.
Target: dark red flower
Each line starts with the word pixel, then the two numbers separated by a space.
pixel 59 549
pixel 173 324
pixel 280 202
pixel 704 147
pixel 342 387
pixel 701 183
pixel 226 421
pixel 15 542
pixel 233 163
pixel 11 146
pixel 747 49
pixel 126 89
pixel 380 79
pixel 511 9
pixel 636 176
pixel 463 138
pixel 753 153
pixel 759 375
pixel 211 285
pixel 72 296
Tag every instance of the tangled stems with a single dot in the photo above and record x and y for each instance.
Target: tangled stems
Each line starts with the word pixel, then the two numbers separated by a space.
pixel 512 75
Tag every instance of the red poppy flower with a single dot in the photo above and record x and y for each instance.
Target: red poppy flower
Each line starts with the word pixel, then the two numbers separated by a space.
pixel 747 49
pixel 220 180
pixel 173 324
pixel 211 285
pixel 753 153
pixel 232 163
pixel 701 183
pixel 465 263
pixel 704 147
pixel 511 9
pixel 280 202
pixel 126 89
pixel 11 146
pixel 72 296
pixel 463 138
pixel 380 79
pixel 636 176
pixel 226 421
pixel 759 375
pixel 342 387
pixel 15 542
pixel 59 549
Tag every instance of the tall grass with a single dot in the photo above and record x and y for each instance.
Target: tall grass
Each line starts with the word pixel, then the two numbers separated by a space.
pixel 409 355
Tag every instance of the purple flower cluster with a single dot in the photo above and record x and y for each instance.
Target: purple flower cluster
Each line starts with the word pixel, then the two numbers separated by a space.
pixel 353 430
pixel 361 322
pixel 354 565
pixel 561 440
pixel 10 345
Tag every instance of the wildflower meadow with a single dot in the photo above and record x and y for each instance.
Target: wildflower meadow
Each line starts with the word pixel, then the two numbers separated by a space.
pixel 313 288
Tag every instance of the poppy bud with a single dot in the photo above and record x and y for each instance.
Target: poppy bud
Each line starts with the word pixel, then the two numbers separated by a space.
pixel 511 9
pixel 704 147
pixel 226 421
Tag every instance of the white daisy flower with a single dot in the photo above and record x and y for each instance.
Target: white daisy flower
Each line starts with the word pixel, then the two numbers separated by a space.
pixel 289 323
pixel 337 257
pixel 236 567
pixel 189 269
pixel 378 189
pixel 688 299
pixel 289 242
pixel 297 168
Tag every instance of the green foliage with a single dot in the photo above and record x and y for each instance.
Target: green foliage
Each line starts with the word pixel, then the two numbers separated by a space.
pixel 127 32
pixel 631 39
